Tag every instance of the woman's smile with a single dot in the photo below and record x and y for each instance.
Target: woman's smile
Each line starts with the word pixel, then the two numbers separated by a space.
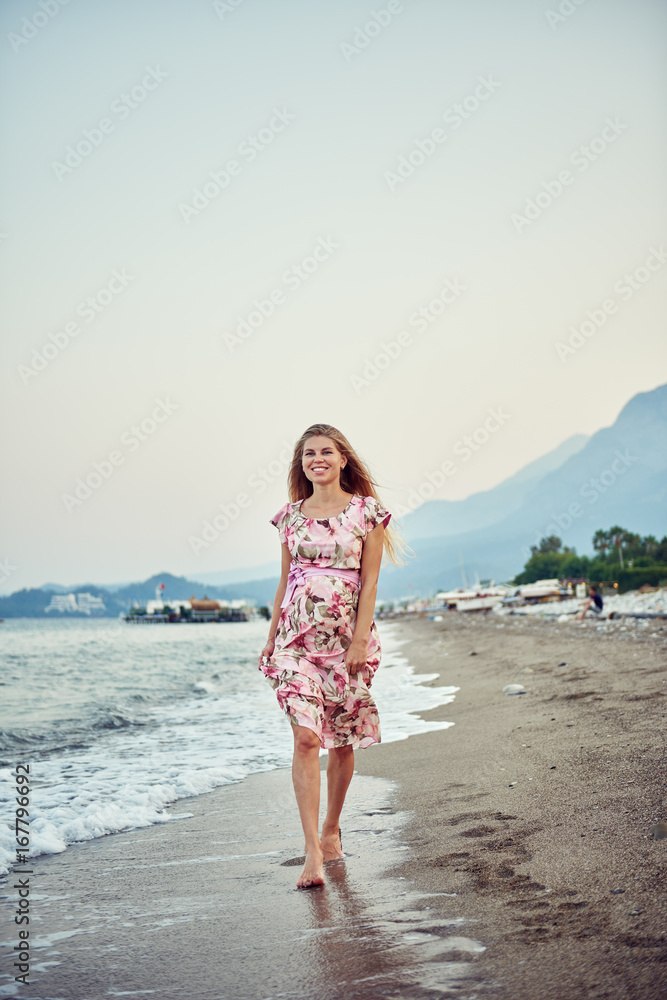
pixel 321 460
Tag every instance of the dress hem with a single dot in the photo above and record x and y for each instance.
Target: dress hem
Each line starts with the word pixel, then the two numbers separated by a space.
pixel 361 743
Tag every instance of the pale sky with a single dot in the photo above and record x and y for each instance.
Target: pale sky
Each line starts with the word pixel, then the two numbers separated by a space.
pixel 374 173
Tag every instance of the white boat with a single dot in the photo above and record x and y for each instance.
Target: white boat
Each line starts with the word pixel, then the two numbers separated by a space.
pixel 480 599
pixel 543 590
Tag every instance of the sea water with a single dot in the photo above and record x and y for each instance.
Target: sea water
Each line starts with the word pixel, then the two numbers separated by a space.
pixel 117 721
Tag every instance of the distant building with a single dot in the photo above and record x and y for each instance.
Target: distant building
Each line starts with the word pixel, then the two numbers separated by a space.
pixel 193 610
pixel 205 608
pixel 90 604
pixel 62 602
pixel 85 604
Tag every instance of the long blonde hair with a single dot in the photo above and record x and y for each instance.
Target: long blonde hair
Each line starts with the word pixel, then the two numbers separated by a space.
pixel 354 478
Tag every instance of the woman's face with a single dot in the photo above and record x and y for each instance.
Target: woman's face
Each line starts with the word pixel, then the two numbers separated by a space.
pixel 322 462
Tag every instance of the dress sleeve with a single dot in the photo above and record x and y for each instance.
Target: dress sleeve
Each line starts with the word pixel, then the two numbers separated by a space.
pixel 281 520
pixel 374 513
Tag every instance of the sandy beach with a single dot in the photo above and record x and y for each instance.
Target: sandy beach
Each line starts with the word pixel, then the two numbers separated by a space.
pixel 536 809
pixel 508 856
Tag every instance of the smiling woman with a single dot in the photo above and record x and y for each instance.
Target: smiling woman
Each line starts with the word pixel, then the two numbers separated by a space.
pixel 323 648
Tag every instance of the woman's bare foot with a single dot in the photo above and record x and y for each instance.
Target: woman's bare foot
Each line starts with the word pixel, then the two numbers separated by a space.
pixel 331 844
pixel 313 872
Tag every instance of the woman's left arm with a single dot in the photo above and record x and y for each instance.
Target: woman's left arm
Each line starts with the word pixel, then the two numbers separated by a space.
pixel 371 558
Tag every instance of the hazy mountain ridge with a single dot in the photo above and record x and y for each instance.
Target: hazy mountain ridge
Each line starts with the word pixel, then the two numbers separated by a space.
pixel 438 518
pixel 32 602
pixel 616 476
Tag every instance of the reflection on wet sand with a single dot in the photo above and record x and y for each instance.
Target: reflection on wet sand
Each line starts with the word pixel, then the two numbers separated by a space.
pixel 369 938
pixel 343 943
pixel 207 907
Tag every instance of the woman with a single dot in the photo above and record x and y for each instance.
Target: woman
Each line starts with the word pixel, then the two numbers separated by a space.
pixel 323 648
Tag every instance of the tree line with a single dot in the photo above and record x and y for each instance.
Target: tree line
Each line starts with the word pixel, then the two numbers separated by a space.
pixel 620 557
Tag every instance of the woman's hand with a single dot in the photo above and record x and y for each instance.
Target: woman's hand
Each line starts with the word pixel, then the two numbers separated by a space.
pixel 356 657
pixel 267 651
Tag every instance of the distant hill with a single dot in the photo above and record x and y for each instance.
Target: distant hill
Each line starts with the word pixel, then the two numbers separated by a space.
pixel 453 517
pixel 32 603
pixel 619 476
pixel 224 577
pixel 216 578
pixel 616 476
pixel 182 588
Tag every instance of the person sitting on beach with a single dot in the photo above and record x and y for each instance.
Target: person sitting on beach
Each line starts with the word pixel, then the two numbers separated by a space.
pixel 594 603
pixel 323 647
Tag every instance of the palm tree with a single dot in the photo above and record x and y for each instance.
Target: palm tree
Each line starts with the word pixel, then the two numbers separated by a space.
pixel 650 544
pixel 602 541
pixel 618 536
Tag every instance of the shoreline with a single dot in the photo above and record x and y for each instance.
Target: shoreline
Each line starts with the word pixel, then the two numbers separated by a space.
pixel 125 773
pixel 537 809
pixel 482 859
pixel 206 907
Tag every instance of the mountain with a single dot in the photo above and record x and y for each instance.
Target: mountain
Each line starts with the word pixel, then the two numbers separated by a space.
pixel 181 588
pixel 452 517
pixel 213 579
pixel 221 577
pixel 32 603
pixel 619 476
pixel 75 588
pixel 616 476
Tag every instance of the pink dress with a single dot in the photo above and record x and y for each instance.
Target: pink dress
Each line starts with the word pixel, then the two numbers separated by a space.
pixel 316 625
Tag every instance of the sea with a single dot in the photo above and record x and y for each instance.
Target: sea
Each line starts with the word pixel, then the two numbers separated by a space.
pixel 117 722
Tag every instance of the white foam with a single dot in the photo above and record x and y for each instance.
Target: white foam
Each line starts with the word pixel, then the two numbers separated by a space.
pixel 399 693
pixel 232 727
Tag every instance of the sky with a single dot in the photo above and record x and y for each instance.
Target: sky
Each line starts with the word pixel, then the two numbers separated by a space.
pixel 224 221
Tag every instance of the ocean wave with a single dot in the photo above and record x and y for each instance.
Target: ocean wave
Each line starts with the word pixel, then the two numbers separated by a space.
pixel 115 720
pixel 124 771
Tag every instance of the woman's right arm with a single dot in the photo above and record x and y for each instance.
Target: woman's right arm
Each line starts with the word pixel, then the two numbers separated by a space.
pixel 277 601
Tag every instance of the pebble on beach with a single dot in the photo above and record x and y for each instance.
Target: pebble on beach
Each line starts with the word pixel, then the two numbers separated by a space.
pixel 651 603
pixel 514 689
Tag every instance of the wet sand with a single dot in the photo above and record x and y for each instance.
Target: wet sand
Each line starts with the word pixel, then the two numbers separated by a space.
pixel 206 907
pixel 481 860
pixel 537 808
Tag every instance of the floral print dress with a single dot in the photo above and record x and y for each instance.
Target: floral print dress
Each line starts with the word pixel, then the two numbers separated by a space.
pixel 316 626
